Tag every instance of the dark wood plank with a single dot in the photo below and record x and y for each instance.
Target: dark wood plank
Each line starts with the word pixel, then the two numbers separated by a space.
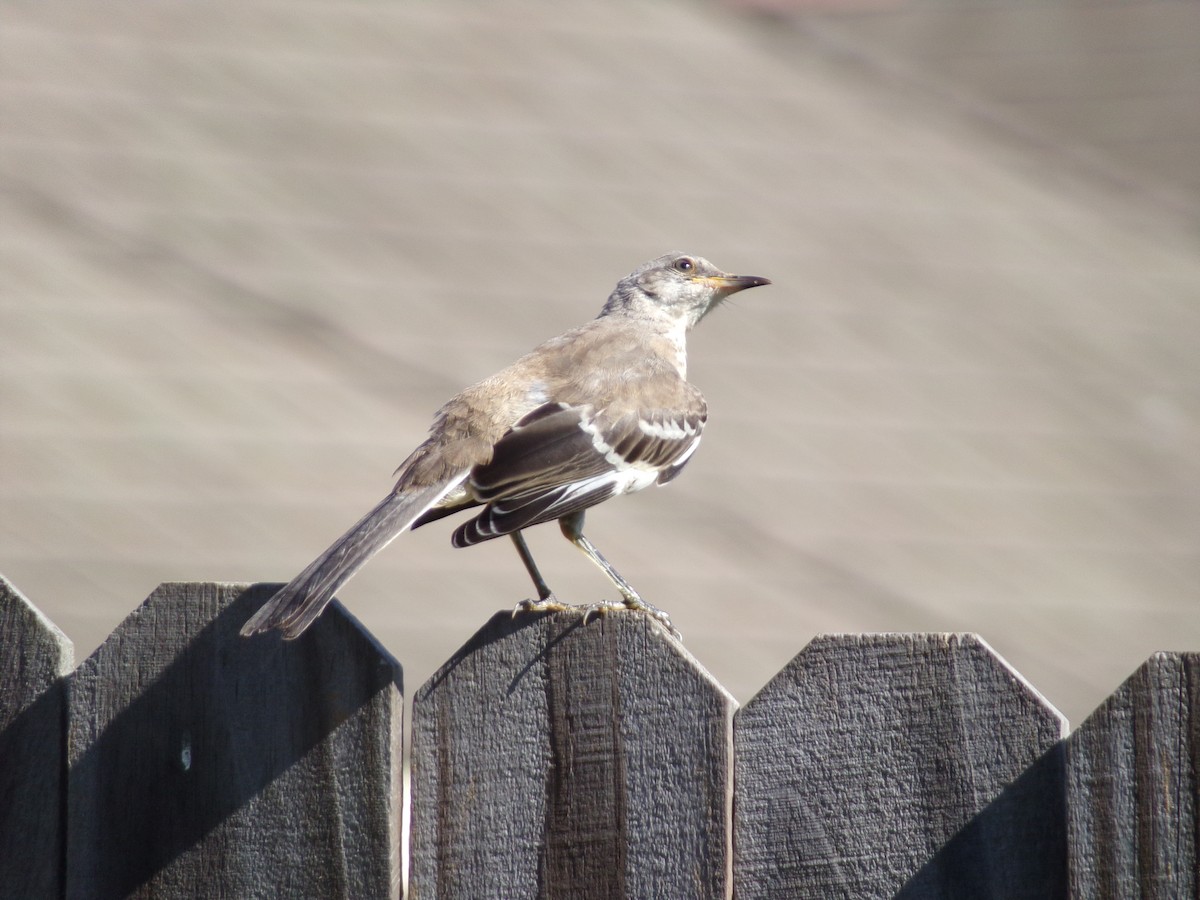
pixel 898 766
pixel 204 764
pixel 35 658
pixel 553 759
pixel 1132 775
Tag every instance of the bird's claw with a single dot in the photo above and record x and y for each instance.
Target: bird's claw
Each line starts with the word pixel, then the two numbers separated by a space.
pixel 635 603
pixel 655 613
pixel 542 604
pixel 599 608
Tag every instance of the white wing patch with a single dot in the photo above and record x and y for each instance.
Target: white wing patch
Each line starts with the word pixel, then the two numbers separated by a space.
pixel 686 454
pixel 627 477
pixel 667 431
pixel 625 480
pixel 611 457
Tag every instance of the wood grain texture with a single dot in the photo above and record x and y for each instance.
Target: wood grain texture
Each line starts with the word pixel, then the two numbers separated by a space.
pixel 204 764
pixel 1132 775
pixel 553 759
pixel 898 766
pixel 35 657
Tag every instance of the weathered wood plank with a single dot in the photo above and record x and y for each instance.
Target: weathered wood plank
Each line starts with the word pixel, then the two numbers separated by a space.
pixel 1133 772
pixel 553 759
pixel 204 764
pixel 35 658
pixel 898 766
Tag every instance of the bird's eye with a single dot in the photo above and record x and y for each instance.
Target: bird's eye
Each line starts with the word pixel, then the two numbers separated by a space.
pixel 683 264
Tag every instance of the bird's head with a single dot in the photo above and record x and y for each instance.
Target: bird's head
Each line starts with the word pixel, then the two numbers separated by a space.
pixel 678 285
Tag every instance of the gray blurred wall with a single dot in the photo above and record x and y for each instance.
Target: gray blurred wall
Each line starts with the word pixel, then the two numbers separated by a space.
pixel 247 249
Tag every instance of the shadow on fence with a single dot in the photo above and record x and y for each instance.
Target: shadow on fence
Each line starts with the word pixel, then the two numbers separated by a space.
pixel 1028 818
pixel 555 759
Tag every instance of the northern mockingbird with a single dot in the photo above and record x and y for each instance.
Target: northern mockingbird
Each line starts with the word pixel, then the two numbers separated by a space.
pixel 601 410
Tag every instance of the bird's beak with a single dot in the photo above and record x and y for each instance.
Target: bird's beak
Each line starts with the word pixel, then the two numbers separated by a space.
pixel 724 285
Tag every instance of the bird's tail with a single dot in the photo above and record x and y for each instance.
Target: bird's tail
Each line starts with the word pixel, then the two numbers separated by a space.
pixel 297 604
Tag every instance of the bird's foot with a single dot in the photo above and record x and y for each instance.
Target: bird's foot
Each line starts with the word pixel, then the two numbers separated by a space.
pixel 549 603
pixel 636 602
pixel 600 608
pixel 553 604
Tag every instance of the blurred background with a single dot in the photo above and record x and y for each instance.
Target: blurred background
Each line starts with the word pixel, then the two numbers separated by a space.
pixel 247 248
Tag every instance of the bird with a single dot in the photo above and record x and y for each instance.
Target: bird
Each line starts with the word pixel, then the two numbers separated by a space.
pixel 601 410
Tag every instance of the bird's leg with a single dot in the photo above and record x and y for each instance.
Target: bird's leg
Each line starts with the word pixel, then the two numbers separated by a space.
pixel 572 529
pixel 546 599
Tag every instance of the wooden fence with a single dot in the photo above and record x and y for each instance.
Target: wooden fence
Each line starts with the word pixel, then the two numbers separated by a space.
pixel 551 759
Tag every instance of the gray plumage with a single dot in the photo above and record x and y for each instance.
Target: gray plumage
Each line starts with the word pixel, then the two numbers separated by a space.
pixel 601 410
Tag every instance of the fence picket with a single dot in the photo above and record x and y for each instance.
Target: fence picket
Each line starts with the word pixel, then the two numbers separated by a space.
pixel 556 759
pixel 35 657
pixel 1133 769
pixel 204 764
pixel 553 759
pixel 898 765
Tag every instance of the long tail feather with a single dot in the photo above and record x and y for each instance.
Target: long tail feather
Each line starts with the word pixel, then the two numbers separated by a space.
pixel 297 604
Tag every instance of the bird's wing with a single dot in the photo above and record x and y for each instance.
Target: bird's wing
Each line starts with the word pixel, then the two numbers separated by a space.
pixel 561 459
